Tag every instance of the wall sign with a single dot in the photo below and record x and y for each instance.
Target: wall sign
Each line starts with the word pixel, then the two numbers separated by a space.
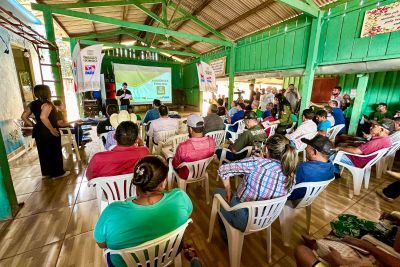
pixel 382 19
pixel 218 66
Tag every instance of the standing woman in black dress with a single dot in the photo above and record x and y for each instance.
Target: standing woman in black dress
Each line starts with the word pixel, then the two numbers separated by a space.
pixel 45 132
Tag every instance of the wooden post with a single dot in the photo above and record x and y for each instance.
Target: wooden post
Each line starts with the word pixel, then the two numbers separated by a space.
pixel 232 60
pixel 311 63
pixel 358 102
pixel 8 199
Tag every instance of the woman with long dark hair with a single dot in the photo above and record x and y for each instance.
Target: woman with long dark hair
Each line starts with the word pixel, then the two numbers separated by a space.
pixel 45 132
pixel 284 111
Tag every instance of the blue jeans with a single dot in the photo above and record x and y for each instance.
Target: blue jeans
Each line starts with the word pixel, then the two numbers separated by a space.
pixel 237 218
pixel 345 159
pixel 230 155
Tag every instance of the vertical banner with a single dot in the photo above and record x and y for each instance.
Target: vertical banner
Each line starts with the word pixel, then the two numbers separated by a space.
pixel 77 67
pixel 91 58
pixel 207 82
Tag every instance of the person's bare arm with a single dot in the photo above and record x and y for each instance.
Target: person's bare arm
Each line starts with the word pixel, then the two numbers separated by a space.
pixel 350 149
pixel 227 185
pixel 316 105
pixel 102 245
pixel 25 117
pixel 44 117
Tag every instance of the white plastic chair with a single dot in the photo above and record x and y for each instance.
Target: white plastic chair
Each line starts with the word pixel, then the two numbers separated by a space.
pixel 168 148
pixel 159 252
pixel 360 173
pixel 240 129
pixel 272 127
pixel 29 141
pixel 261 215
pixel 162 137
pixel 197 173
pixel 218 137
pixel 333 131
pixel 386 163
pixel 303 146
pixel 68 141
pixel 113 188
pixel 223 158
pixel 291 129
pixel 286 218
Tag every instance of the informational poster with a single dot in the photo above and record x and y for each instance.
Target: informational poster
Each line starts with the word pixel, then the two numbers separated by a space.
pixel 207 82
pixel 382 19
pixel 218 66
pixel 91 58
pixel 146 83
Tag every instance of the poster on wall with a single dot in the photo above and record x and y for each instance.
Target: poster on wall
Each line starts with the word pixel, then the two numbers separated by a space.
pixel 218 65
pixel 206 76
pixel 382 19
pixel 91 58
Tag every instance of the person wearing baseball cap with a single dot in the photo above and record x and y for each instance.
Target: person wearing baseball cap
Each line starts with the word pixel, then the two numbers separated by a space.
pixel 379 132
pixel 318 167
pixel 197 147
pixel 254 133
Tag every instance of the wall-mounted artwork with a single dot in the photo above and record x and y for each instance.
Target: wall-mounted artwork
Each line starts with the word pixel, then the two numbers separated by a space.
pixel 12 136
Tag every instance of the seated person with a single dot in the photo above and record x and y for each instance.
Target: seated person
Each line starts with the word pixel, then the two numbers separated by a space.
pixel 213 122
pixel 254 107
pixel 154 212
pixel 115 120
pixel 121 159
pixel 395 136
pixel 233 109
pixel 323 124
pixel 254 133
pixel 164 123
pixel 318 167
pixel 380 139
pixel 330 117
pixel 153 113
pixel 285 120
pixel 197 147
pixel 307 127
pixel 221 107
pixel 63 123
pixel 237 116
pixel 268 111
pixel 105 125
pixel 337 113
pixel 381 113
pixel 392 191
pixel 346 251
pixel 247 104
pixel 266 177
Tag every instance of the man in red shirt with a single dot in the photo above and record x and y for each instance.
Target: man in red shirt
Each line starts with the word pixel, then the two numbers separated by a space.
pixel 380 139
pixel 121 159
pixel 197 147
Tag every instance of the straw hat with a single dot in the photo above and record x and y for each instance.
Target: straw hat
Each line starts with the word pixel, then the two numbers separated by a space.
pixel 123 115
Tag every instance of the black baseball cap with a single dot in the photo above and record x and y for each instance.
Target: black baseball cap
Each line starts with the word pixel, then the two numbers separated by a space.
pixel 386 124
pixel 320 143
pixel 250 115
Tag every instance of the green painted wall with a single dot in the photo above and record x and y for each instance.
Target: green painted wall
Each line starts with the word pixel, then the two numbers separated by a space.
pixel 191 84
pixel 340 36
pixel 382 87
pixel 106 67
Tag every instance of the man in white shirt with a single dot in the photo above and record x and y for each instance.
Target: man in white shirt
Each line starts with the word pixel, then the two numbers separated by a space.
pixel 164 123
pixel 307 127
pixel 268 97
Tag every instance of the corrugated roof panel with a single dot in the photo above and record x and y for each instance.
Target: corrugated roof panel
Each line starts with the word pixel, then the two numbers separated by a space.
pixel 322 3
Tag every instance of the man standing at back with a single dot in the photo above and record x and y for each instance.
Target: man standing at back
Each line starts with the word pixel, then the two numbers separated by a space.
pixel 122 158
pixel 164 123
pixel 292 95
pixel 197 147
pixel 153 113
pixel 336 95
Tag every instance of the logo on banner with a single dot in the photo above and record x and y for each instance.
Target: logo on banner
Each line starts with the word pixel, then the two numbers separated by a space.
pixel 89 69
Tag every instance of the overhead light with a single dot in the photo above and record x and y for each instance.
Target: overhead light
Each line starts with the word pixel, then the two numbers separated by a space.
pixel 26 53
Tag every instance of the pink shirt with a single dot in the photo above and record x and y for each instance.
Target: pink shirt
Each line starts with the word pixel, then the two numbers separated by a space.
pixel 162 124
pixel 191 150
pixel 120 160
pixel 371 146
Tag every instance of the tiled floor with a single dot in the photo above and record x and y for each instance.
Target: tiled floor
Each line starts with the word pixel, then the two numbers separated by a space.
pixel 55 225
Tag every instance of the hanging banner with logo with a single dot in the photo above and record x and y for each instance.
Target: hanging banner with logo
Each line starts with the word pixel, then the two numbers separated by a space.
pixel 382 19
pixel 218 66
pixel 77 68
pixel 91 58
pixel 206 76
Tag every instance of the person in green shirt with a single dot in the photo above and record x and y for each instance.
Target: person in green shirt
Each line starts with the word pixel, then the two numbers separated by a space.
pixel 381 113
pixel 254 107
pixel 285 120
pixel 152 213
pixel 254 134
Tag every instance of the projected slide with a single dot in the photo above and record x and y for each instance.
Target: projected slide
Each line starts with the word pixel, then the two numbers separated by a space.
pixel 145 82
